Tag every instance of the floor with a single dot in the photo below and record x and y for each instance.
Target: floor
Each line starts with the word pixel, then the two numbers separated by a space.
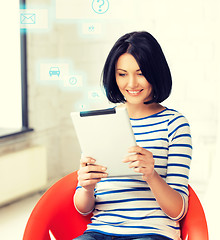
pixel 13 217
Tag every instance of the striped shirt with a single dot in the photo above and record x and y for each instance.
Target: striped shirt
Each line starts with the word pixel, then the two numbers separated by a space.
pixel 126 205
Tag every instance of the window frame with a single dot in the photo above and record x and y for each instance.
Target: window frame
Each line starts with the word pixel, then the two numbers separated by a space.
pixel 24 88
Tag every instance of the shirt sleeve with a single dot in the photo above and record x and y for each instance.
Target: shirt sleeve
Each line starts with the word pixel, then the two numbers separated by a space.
pixel 179 158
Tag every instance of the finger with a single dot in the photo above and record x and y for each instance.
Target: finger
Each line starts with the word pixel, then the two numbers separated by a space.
pixel 134 157
pixel 95 168
pixel 84 171
pixel 87 160
pixel 91 176
pixel 95 175
pixel 138 170
pixel 137 149
pixel 137 164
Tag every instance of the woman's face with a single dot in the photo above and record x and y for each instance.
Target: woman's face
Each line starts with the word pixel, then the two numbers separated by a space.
pixel 132 84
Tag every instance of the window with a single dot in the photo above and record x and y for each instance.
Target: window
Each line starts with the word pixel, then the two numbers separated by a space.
pixel 13 80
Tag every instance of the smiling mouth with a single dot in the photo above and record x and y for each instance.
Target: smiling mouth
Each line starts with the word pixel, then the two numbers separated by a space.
pixel 134 93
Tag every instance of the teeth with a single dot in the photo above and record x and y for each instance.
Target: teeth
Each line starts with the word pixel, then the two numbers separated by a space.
pixel 133 92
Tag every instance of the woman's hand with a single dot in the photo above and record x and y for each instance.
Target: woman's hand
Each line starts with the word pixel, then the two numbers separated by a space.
pixel 142 161
pixel 89 174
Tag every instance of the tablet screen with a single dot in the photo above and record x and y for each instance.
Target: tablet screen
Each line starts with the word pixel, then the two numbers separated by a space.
pixel 106 135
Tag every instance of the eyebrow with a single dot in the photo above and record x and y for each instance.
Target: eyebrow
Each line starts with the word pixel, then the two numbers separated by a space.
pixel 126 71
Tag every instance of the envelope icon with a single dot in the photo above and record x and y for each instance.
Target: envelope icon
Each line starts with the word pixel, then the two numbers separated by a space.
pixel 27 18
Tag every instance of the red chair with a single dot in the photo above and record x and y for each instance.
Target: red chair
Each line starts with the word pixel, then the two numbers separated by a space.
pixel 55 211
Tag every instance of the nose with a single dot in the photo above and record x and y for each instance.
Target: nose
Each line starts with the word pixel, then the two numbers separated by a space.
pixel 132 82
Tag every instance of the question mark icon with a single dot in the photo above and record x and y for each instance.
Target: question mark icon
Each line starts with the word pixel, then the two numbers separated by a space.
pixel 100 6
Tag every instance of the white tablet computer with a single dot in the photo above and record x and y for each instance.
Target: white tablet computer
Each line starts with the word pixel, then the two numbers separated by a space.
pixel 106 135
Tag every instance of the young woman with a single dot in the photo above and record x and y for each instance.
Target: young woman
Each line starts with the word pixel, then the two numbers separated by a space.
pixel 137 75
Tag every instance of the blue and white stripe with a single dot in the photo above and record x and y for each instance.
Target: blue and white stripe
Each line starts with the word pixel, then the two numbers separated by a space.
pixel 126 205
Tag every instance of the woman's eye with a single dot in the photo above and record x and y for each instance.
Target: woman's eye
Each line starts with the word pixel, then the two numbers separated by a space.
pixel 140 74
pixel 121 74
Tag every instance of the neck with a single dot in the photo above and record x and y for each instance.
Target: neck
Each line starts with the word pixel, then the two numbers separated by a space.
pixel 143 110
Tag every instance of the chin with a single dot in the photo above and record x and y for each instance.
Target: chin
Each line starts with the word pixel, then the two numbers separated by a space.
pixel 136 102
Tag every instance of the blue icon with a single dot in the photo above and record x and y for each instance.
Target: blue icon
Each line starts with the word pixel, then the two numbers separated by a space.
pixel 95 95
pixel 82 106
pixel 54 71
pixel 100 6
pixel 27 18
pixel 73 80
pixel 91 28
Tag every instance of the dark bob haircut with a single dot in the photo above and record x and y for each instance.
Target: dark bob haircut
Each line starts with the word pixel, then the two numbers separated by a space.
pixel 151 60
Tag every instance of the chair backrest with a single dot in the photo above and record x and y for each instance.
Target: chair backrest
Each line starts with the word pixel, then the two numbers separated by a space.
pixel 55 211
pixel 194 225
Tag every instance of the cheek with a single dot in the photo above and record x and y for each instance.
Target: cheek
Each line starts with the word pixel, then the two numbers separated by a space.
pixel 148 86
pixel 120 84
